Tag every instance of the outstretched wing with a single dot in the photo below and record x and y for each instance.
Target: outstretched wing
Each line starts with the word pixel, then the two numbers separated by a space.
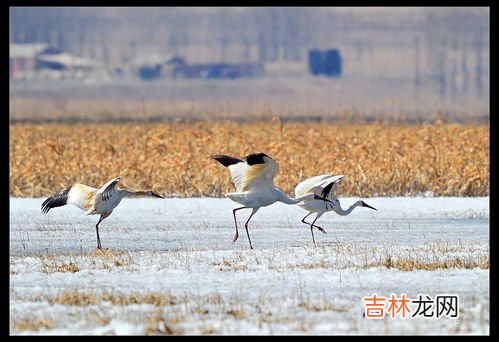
pixel 259 173
pixel 79 195
pixel 331 185
pixel 58 199
pixel 107 190
pixel 322 185
pixel 307 186
pixel 237 168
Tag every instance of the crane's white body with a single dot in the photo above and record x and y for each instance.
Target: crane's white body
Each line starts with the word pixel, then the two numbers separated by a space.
pixel 255 185
pixel 316 185
pixel 106 204
pixel 93 201
pixel 325 186
pixel 90 199
pixel 253 179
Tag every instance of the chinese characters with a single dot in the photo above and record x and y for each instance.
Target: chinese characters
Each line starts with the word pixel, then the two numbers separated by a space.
pixel 443 305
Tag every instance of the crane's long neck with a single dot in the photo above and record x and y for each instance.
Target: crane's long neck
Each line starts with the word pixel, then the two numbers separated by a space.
pixel 132 193
pixel 282 197
pixel 342 212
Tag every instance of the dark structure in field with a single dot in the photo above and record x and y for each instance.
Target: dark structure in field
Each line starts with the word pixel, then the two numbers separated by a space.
pixel 180 69
pixel 325 62
pixel 177 67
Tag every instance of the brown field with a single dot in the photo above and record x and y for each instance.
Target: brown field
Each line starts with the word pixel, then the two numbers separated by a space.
pixel 447 159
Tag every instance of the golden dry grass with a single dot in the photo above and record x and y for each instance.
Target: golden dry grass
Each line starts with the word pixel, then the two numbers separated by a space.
pixel 51 267
pixel 31 325
pixel 377 159
pixel 102 259
pixel 158 324
pixel 408 264
pixel 77 298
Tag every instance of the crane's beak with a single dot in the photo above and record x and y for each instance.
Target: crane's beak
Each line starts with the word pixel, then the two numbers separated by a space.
pixel 317 197
pixel 364 204
pixel 156 195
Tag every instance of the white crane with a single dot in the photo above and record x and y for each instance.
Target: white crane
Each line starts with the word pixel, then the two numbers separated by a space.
pixel 253 178
pixel 323 185
pixel 94 201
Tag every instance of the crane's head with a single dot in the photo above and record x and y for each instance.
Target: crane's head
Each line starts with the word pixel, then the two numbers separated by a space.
pixel 154 194
pixel 364 204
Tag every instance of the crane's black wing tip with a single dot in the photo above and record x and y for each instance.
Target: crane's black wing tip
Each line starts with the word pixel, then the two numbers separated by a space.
pixel 226 160
pixel 327 189
pixel 256 158
pixel 58 199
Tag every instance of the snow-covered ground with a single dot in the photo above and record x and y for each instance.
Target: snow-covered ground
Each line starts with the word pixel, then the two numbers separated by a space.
pixel 170 268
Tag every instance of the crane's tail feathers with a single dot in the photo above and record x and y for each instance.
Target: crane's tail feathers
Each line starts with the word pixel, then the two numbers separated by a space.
pixel 58 199
pixel 226 160
pixel 236 196
pixel 90 211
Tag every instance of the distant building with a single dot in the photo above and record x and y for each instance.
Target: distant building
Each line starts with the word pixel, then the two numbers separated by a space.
pixel 22 58
pixel 55 59
pixel 325 62
pixel 32 60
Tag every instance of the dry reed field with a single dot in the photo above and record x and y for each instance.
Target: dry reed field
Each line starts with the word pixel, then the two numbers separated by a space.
pixel 446 159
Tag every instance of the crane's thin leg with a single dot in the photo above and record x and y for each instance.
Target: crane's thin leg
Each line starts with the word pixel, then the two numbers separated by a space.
pixel 246 225
pixel 303 219
pixel 102 217
pixel 235 222
pixel 312 231
pixel 320 228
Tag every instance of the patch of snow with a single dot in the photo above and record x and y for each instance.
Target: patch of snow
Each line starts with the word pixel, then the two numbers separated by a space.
pixel 181 250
